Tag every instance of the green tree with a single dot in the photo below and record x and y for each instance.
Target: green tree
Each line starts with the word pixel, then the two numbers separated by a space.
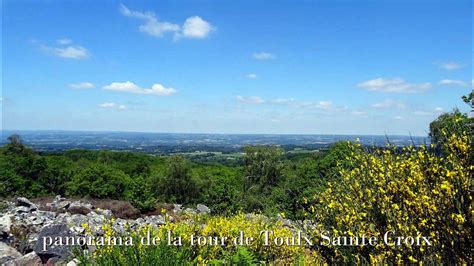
pixel 99 181
pixel 262 166
pixel 177 184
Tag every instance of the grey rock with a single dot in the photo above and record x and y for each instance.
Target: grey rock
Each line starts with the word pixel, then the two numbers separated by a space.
pixel 30 259
pixel 78 229
pixel 5 224
pixel 21 201
pixel 177 208
pixel 81 204
pixel 54 231
pixel 201 208
pixel 63 204
pixel 22 209
pixel 73 262
pixel 106 213
pixel 155 220
pixel 7 253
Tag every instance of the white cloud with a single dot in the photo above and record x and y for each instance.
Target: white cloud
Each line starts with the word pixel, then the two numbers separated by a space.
pixel 387 104
pixel 81 85
pixel 283 101
pixel 196 27
pixel 263 56
pixel 193 28
pixel 65 41
pixel 251 76
pixel 250 99
pixel 70 52
pixel 449 65
pixel 452 82
pixel 396 85
pixel 112 105
pixel 398 117
pixel 439 109
pixel 156 89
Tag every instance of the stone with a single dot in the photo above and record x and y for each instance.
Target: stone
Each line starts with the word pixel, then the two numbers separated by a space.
pixel 106 213
pixel 63 204
pixel 5 224
pixel 155 219
pixel 78 204
pixel 30 259
pixel 53 231
pixel 7 253
pixel 177 208
pixel 73 262
pixel 201 208
pixel 22 209
pixel 21 201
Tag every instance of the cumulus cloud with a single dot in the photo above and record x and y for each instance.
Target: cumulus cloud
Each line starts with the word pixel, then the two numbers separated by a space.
pixel 439 109
pixel 196 27
pixel 250 99
pixel 452 82
pixel 251 76
pixel 193 27
pixel 396 85
pixel 112 105
pixel 263 56
pixel 449 65
pixel 388 104
pixel 156 89
pixel 82 85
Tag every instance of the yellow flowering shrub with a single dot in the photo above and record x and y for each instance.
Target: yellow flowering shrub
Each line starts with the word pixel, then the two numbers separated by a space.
pixel 215 227
pixel 412 192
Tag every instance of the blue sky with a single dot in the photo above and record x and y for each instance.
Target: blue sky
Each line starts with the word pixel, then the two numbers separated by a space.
pixel 306 67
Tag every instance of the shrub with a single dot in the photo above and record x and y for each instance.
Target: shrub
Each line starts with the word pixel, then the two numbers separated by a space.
pixel 413 193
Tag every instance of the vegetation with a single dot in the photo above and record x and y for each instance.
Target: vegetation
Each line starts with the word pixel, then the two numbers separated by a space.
pixel 348 190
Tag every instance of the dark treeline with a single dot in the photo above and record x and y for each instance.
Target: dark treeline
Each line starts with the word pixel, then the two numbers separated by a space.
pixel 266 179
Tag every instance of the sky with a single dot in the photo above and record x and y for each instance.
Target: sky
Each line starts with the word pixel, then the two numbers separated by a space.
pixel 274 67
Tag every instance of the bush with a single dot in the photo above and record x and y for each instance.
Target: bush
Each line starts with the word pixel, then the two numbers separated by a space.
pixel 413 193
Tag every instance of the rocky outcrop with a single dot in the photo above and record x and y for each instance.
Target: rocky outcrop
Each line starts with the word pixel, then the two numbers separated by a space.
pixel 24 224
pixel 7 253
pixel 30 259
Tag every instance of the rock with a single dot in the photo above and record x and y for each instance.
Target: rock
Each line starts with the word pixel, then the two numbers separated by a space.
pixel 155 219
pixel 30 259
pixel 5 225
pixel 78 229
pixel 63 204
pixel 55 231
pixel 47 214
pixel 201 208
pixel 7 253
pixel 107 213
pixel 73 262
pixel 177 208
pixel 80 204
pixel 21 201
pixel 22 209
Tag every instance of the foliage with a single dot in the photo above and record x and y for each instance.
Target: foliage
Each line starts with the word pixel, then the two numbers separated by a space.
pixel 99 181
pixel 412 193
pixel 207 227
